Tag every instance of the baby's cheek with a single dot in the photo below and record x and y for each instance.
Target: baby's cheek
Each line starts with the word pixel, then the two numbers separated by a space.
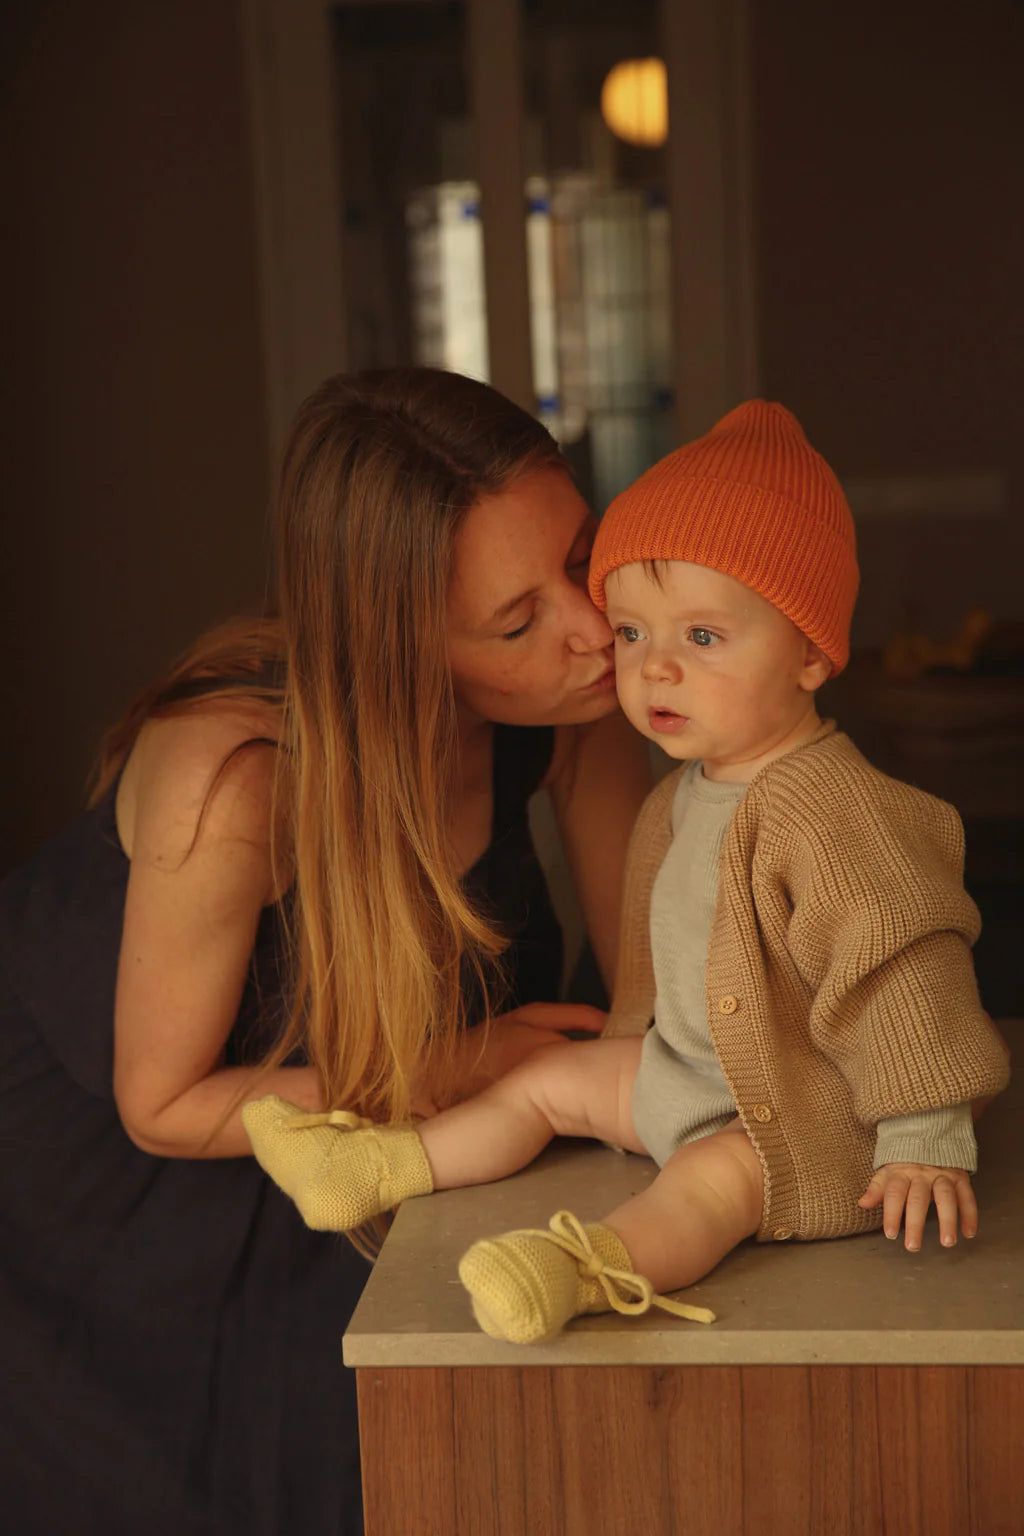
pixel 632 703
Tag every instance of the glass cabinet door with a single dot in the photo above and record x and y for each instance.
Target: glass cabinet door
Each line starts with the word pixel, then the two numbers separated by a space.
pixel 593 212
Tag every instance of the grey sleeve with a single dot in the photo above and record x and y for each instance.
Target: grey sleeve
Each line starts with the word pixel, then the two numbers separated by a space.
pixel 942 1137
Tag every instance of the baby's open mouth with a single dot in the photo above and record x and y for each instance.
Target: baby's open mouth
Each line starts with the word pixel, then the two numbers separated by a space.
pixel 666 720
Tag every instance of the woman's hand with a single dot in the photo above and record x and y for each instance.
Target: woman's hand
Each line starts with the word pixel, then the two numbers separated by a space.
pixel 487 1053
pixel 513 1036
pixel 914 1186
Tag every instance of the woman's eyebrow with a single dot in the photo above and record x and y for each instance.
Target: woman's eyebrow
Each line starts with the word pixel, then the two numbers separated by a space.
pixel 505 609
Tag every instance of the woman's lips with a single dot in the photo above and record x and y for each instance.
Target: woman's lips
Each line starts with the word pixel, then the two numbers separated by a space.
pixel 666 722
pixel 604 684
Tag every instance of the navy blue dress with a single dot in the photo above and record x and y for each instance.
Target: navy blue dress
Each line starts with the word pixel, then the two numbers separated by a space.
pixel 170 1331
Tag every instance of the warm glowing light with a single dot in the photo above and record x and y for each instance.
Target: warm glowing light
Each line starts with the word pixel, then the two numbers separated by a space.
pixel 634 101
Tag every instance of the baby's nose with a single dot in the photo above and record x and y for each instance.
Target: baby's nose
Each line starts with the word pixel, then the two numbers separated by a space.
pixel 659 665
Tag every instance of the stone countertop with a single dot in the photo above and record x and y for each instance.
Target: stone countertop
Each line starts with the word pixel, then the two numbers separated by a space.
pixel 850 1301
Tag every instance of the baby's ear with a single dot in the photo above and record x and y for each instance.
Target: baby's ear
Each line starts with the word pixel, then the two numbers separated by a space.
pixel 816 669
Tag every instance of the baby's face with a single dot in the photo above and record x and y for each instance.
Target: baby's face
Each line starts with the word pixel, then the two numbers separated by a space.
pixel 708 669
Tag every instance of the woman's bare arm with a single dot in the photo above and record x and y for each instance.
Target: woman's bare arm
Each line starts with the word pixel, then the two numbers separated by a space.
pixel 598 781
pixel 200 875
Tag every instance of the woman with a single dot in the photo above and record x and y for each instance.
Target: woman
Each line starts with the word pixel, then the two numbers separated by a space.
pixel 306 870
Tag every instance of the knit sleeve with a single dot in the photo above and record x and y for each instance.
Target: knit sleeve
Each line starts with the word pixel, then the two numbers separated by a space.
pixel 941 1138
pixel 633 1005
pixel 881 929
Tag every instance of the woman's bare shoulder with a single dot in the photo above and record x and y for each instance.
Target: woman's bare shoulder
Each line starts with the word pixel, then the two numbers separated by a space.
pixel 209 771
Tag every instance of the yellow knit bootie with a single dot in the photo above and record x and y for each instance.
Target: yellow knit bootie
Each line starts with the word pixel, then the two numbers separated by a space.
pixel 527 1285
pixel 340 1170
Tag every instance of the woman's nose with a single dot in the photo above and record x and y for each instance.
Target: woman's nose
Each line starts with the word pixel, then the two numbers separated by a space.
pixel 588 628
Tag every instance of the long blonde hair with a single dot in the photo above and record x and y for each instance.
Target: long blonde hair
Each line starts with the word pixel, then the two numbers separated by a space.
pixel 378 475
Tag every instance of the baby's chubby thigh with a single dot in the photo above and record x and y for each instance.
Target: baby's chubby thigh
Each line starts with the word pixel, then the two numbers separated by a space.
pixel 582 1088
pixel 708 1197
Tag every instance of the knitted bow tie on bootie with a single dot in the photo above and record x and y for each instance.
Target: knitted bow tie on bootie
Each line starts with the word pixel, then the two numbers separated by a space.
pixel 339 1169
pixel 527 1285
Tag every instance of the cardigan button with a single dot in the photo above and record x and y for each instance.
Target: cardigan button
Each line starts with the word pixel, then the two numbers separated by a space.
pixel 762 1113
pixel 728 1004
pixel 782 1234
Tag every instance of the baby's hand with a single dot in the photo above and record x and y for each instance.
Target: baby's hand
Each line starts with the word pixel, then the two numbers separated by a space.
pixel 915 1186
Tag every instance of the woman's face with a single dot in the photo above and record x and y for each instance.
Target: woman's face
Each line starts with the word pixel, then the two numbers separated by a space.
pixel 525 644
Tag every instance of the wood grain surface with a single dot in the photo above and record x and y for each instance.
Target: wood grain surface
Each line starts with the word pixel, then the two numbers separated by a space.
pixel 693 1451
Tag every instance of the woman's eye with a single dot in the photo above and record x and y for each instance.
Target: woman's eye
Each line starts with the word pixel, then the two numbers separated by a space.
pixel 627 632
pixel 514 634
pixel 703 637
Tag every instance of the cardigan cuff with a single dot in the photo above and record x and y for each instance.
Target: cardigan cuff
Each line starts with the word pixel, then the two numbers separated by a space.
pixel 942 1138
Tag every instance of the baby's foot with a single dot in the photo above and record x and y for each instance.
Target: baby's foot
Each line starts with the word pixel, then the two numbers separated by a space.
pixel 527 1285
pixel 340 1170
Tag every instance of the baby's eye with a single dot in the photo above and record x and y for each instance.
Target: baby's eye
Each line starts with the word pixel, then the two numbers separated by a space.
pixel 627 632
pixel 703 637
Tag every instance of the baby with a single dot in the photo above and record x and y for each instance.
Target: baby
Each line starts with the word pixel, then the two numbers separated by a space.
pixel 796 1037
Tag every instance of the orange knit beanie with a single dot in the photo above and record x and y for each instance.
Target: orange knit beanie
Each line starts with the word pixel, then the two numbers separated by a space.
pixel 753 500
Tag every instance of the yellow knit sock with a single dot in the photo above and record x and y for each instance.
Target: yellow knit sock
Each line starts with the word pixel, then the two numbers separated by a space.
pixel 526 1286
pixel 340 1170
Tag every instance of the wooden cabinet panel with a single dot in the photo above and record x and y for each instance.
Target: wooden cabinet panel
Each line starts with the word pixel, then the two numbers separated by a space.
pixel 698 1451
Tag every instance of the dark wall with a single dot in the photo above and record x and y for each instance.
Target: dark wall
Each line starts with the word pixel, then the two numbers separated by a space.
pixel 889 259
pixel 888 158
pixel 134 463
pixel 888 167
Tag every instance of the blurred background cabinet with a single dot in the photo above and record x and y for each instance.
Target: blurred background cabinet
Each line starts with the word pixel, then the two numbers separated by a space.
pixel 514 200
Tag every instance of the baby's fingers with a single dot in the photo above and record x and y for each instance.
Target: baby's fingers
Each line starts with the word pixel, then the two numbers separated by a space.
pixel 944 1193
pixel 875 1192
pixel 897 1187
pixel 919 1199
pixel 968 1207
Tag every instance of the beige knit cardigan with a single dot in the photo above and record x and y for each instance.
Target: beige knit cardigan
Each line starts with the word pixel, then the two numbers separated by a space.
pixel 839 982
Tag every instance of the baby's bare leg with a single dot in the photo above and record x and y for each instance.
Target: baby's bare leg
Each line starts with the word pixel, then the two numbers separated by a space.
pixel 708 1197
pixel 583 1089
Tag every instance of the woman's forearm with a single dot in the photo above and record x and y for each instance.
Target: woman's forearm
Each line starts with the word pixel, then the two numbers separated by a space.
pixel 205 1121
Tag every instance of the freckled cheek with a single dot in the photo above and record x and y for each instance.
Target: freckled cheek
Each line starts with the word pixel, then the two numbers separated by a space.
pixel 512 680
